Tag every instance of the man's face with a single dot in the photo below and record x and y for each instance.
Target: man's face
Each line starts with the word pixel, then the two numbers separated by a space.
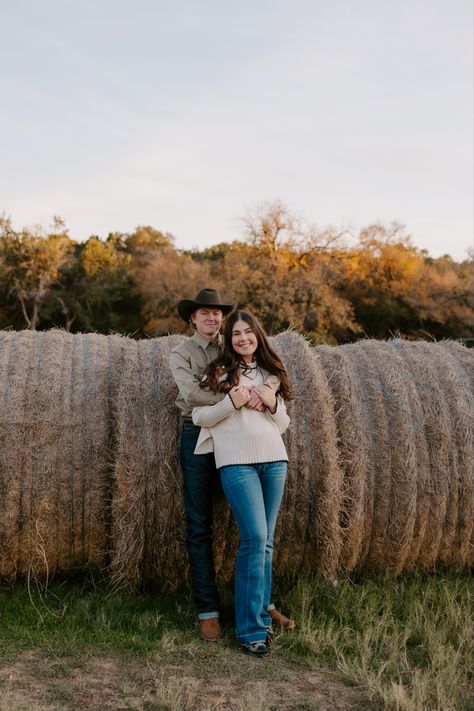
pixel 207 322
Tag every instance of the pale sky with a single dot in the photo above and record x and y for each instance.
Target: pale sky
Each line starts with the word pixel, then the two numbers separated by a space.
pixel 184 114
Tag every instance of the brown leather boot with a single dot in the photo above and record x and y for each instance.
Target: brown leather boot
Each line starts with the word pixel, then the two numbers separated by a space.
pixel 279 620
pixel 210 630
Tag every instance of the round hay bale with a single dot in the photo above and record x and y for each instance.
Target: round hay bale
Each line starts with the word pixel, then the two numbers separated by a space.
pixel 418 421
pixel 55 439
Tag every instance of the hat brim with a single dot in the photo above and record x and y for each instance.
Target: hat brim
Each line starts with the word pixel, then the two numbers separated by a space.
pixel 187 307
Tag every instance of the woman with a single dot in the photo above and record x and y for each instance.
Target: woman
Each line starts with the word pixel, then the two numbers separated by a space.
pixel 251 459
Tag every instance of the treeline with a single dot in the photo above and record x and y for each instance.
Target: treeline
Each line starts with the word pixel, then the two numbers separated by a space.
pixel 314 281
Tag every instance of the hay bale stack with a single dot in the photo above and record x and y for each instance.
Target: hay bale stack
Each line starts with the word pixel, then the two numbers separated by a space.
pixel 380 444
pixel 56 438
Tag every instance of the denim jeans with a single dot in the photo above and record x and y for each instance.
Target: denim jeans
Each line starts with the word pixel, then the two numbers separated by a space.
pixel 200 481
pixel 254 492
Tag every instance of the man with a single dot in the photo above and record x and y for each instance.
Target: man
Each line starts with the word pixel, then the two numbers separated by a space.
pixel 188 363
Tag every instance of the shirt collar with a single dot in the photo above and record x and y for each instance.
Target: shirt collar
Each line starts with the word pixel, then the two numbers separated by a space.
pixel 205 342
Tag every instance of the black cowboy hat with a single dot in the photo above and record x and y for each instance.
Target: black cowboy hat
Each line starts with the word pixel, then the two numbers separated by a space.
pixel 205 299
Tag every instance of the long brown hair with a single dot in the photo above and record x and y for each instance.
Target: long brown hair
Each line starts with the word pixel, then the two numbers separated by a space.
pixel 229 362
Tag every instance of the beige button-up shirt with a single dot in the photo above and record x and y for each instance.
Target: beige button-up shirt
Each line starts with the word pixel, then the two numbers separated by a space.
pixel 188 362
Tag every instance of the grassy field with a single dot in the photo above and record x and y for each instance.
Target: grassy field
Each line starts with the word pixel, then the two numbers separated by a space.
pixel 369 643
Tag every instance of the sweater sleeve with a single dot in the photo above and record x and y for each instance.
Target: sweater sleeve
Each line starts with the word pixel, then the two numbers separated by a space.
pixel 274 381
pixel 280 416
pixel 209 416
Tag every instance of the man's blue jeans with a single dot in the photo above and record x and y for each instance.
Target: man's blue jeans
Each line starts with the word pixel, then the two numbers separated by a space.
pixel 254 492
pixel 200 481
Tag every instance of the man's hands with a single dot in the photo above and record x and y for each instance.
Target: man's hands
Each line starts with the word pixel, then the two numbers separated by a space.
pixel 259 397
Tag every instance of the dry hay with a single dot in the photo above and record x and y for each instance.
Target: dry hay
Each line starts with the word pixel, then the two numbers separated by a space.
pixel 404 414
pixel 352 437
pixel 380 446
pixel 147 511
pixel 56 434
pixel 308 535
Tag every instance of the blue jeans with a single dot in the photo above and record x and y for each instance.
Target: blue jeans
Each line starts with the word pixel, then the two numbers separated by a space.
pixel 200 481
pixel 254 492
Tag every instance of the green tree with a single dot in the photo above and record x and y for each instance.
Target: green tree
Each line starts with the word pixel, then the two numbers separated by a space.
pixel 31 264
pixel 95 289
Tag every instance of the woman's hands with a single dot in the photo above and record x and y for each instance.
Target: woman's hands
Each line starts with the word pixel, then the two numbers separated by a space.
pixel 267 395
pixel 239 395
pixel 259 397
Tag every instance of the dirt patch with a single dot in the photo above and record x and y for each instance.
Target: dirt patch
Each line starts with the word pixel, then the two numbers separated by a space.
pixel 37 680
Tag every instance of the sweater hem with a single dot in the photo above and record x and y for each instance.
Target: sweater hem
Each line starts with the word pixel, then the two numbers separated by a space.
pixel 266 461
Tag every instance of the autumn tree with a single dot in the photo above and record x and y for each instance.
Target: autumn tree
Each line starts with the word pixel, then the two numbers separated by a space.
pixel 167 278
pixel 283 272
pixel 159 272
pixel 396 288
pixel 442 298
pixel 145 243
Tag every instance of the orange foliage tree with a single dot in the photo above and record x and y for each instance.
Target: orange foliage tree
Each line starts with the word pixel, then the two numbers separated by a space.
pixel 290 274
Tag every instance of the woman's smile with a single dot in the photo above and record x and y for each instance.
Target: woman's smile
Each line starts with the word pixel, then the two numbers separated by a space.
pixel 244 340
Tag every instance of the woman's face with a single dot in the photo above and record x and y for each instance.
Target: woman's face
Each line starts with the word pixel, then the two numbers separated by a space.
pixel 244 340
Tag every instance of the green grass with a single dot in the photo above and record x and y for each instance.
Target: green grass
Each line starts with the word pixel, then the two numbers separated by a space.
pixel 405 643
pixel 82 612
pixel 408 642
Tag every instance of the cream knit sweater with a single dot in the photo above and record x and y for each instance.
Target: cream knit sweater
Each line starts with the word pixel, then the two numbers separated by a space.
pixel 242 436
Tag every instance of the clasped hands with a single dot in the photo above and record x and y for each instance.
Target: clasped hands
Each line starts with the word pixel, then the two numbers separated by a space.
pixel 257 397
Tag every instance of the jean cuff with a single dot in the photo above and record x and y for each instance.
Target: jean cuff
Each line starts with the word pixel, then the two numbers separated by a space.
pixel 255 637
pixel 207 615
